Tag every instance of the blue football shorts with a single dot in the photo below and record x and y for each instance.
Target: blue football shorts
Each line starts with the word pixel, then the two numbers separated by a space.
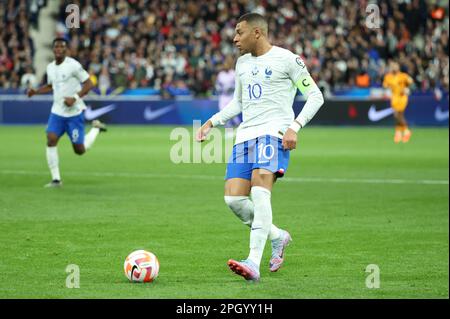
pixel 262 152
pixel 73 126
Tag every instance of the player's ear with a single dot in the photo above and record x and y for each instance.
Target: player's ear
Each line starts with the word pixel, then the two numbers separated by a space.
pixel 257 32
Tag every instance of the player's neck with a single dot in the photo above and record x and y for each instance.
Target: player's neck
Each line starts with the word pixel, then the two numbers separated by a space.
pixel 263 49
pixel 59 61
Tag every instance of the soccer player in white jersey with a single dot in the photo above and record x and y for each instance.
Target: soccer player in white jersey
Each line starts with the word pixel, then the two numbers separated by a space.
pixel 64 78
pixel 267 79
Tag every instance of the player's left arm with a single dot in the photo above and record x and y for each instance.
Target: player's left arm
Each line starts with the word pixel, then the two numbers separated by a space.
pixel 314 100
pixel 83 77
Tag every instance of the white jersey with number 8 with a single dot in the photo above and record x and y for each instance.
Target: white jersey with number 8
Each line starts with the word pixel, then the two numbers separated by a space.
pixel 66 79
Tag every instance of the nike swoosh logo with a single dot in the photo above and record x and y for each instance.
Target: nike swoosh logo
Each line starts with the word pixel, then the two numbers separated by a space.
pixel 150 115
pixel 376 116
pixel 440 115
pixel 132 270
pixel 91 114
pixel 256 228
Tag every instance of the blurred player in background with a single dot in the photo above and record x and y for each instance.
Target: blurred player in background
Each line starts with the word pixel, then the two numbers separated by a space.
pixel 398 83
pixel 266 82
pixel 64 76
pixel 225 88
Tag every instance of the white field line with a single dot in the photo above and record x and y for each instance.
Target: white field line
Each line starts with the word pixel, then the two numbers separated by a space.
pixel 212 177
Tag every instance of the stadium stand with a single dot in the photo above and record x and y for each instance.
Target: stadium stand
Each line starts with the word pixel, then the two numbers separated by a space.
pixel 17 49
pixel 177 47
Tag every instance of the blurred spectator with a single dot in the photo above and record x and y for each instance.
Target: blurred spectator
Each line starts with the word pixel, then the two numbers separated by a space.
pixel 104 81
pixel 225 80
pixel 93 76
pixel 34 8
pixel 29 79
pixel 437 13
pixel 16 46
pixel 363 79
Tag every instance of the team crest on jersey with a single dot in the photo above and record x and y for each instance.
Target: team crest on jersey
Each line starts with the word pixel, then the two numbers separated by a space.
pixel 268 72
pixel 255 70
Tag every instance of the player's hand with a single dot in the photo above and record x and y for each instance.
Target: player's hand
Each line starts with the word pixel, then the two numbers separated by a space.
pixel 203 131
pixel 31 92
pixel 69 101
pixel 406 91
pixel 289 140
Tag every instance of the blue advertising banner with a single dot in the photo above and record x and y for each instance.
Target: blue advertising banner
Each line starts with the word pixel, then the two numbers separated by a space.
pixel 421 111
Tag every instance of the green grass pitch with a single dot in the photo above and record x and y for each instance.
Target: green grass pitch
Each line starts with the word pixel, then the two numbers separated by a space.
pixel 351 198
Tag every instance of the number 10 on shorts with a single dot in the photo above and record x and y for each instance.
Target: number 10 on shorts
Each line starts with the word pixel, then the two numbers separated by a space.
pixel 265 153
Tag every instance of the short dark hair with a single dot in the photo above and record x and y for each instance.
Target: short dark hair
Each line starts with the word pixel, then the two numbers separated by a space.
pixel 255 19
pixel 60 40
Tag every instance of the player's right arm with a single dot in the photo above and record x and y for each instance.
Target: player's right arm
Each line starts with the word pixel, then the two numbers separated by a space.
pixel 47 88
pixel 42 90
pixel 231 110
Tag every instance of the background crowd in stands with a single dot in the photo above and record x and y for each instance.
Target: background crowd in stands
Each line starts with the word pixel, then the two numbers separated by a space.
pixel 181 45
pixel 17 17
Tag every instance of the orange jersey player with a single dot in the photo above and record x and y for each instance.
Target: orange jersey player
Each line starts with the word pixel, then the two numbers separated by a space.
pixel 398 83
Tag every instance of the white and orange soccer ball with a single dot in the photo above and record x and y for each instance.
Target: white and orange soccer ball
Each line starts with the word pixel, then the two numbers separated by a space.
pixel 141 266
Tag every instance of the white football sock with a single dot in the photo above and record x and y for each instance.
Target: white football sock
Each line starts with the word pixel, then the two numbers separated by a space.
pixel 90 137
pixel 53 162
pixel 261 223
pixel 243 207
pixel 274 233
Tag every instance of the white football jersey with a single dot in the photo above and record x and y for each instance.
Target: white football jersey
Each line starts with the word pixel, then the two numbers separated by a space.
pixel 265 89
pixel 66 79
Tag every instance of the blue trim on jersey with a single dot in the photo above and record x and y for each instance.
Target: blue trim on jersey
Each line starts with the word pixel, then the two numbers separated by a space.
pixel 262 152
pixel 73 126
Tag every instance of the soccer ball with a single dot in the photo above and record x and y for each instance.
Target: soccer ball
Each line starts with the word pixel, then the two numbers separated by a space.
pixel 141 266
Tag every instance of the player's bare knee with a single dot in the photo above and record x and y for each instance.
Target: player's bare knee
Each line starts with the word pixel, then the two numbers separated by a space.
pixel 237 187
pixel 79 150
pixel 52 140
pixel 263 178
